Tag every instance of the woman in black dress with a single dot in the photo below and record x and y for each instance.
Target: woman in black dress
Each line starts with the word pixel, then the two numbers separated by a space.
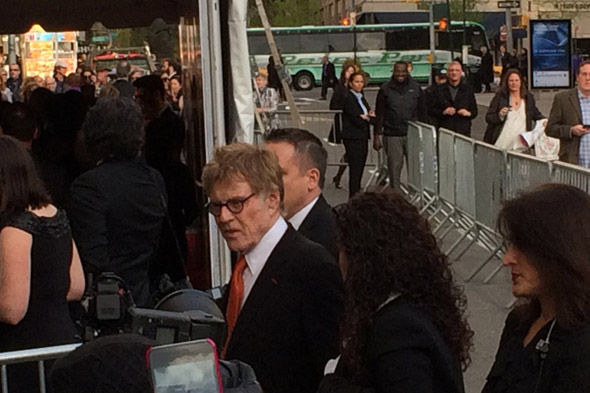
pixel 356 118
pixel 40 270
pixel 546 340
pixel 404 326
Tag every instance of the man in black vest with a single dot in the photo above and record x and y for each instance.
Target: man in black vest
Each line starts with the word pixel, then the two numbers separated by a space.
pixel 398 102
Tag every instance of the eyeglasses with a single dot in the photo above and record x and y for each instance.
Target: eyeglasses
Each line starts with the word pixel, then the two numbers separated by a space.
pixel 233 205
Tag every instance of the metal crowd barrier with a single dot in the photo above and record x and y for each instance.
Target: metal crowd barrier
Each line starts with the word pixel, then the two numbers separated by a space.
pixel 39 355
pixel 460 184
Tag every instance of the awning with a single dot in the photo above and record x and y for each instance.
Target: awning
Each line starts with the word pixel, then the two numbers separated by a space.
pixel 18 16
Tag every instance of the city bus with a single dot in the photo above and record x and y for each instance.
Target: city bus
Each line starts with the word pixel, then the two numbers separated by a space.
pixel 377 48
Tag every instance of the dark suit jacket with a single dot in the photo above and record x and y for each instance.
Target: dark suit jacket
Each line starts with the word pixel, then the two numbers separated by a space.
pixel 353 127
pixel 117 215
pixel 565 113
pixel 495 124
pixel 405 352
pixel 329 74
pixel 465 99
pixel 288 327
pixel 486 69
pixel 320 225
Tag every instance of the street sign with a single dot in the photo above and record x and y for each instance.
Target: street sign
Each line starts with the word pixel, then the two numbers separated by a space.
pixel 509 4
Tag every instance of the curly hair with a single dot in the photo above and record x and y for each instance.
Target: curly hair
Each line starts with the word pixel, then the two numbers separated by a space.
pixel 389 249
pixel 114 129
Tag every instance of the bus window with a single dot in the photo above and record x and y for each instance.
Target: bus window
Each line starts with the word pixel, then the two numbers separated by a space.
pixel 314 42
pixel 341 42
pixel 366 41
pixel 419 38
pixel 398 40
pixel 443 40
pixel 257 45
pixel 288 43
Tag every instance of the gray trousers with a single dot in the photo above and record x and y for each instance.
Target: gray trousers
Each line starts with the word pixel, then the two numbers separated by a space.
pixel 396 149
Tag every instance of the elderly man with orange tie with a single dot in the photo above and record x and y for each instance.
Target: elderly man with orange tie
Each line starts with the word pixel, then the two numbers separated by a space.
pixel 286 292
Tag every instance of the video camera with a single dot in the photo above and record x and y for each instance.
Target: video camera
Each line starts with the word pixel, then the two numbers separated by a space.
pixel 183 315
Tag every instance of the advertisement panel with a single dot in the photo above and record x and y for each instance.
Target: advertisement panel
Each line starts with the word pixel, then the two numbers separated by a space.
pixel 551 53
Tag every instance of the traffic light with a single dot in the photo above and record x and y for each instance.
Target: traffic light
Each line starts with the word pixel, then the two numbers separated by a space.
pixel 345 21
pixel 443 24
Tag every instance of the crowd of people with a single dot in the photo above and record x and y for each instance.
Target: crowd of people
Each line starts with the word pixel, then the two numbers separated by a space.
pixel 92 82
pixel 355 298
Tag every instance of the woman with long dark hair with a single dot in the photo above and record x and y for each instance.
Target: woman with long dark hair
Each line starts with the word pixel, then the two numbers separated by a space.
pixel 512 111
pixel 337 103
pixel 546 339
pixel 40 270
pixel 356 120
pixel 404 327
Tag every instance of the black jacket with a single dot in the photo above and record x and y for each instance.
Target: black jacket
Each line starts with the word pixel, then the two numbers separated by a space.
pixel 465 99
pixel 288 327
pixel 486 69
pixel 329 74
pixel 117 215
pixel 397 103
pixel 495 124
pixel 340 93
pixel 320 225
pixel 353 126
pixel 517 368
pixel 405 352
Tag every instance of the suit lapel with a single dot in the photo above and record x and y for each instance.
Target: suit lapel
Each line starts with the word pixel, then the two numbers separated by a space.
pixel 311 220
pixel 575 101
pixel 263 288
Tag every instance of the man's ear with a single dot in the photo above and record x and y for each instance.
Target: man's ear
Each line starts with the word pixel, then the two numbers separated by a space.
pixel 313 176
pixel 274 199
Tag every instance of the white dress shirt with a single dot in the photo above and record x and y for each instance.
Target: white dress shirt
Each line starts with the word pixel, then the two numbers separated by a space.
pixel 300 216
pixel 256 259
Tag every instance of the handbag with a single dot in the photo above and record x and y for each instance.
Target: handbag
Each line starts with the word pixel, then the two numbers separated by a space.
pixel 547 148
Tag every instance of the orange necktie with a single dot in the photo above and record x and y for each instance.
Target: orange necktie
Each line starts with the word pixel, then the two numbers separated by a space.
pixel 236 294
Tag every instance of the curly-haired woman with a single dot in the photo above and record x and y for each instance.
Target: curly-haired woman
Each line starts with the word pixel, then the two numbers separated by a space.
pixel 404 327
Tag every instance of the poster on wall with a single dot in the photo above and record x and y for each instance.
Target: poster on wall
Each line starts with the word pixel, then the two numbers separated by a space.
pixel 551 53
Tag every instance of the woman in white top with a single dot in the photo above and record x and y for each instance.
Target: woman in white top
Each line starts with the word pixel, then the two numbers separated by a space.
pixel 511 112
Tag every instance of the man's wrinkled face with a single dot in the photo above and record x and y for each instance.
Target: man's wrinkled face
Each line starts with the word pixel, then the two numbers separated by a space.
pixel 243 230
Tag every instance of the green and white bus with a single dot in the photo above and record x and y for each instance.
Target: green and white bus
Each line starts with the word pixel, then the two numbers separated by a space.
pixel 377 47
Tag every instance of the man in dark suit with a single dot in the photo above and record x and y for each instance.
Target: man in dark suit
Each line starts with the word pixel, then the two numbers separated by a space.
pixel 116 211
pixel 328 76
pixel 454 104
pixel 303 160
pixel 486 68
pixel 285 295
pixel 569 118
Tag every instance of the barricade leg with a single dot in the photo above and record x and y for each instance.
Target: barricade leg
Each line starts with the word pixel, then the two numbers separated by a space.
pixel 484 263
pixel 4 378
pixel 473 239
pixel 458 241
pixel 493 274
pixel 42 387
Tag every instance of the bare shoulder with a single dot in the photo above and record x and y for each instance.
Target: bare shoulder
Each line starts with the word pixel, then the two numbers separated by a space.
pixel 45 211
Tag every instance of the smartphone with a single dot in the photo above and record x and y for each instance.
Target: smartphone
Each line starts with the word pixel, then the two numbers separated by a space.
pixel 187 367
